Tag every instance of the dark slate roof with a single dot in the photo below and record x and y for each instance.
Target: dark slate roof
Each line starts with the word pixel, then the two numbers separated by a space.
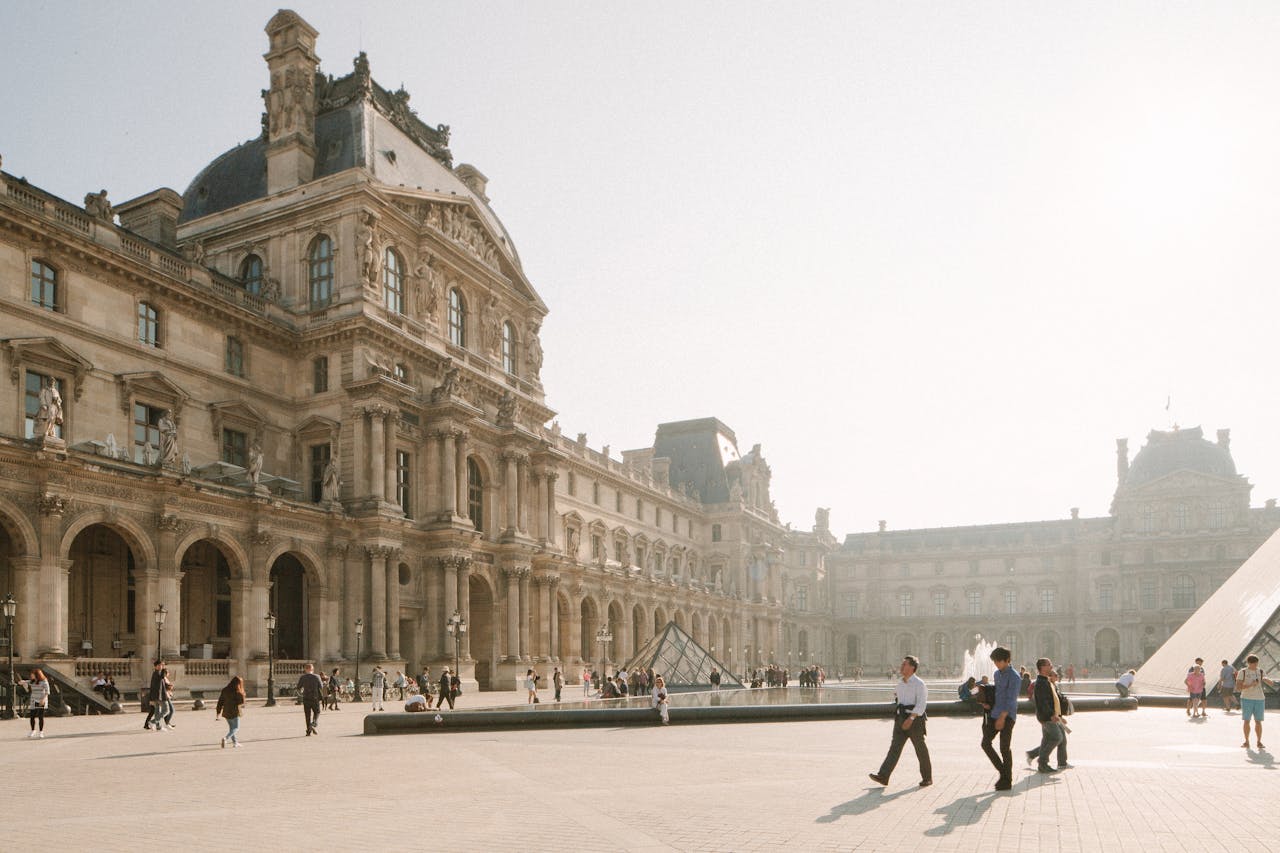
pixel 698 450
pixel 1179 450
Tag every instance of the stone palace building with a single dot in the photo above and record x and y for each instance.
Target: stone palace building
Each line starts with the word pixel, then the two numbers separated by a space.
pixel 310 387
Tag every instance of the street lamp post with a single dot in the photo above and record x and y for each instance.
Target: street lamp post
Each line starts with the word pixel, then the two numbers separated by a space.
pixel 10 610
pixel 359 632
pixel 456 626
pixel 603 637
pixel 271 659
pixel 161 613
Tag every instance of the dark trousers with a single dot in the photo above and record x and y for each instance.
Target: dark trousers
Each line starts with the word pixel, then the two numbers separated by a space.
pixel 311 711
pixel 1051 735
pixel 916 734
pixel 445 695
pixel 1003 762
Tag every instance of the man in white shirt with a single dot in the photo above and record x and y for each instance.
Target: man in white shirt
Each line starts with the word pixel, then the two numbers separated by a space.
pixel 909 724
pixel 1125 683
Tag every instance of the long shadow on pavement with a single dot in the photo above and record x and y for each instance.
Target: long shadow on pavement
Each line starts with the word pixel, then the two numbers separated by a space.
pixel 872 799
pixel 967 811
pixel 1262 759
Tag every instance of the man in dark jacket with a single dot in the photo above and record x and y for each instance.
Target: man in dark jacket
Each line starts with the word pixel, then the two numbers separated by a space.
pixel 446 690
pixel 155 695
pixel 311 689
pixel 1050 706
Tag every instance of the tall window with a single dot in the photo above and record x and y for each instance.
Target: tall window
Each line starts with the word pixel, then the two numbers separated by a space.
pixel 320 271
pixel 1184 592
pixel 572 484
pixel 235 447
pixel 393 282
pixel 904 604
pixel 251 274
pixel 802 598
pixel 509 348
pixel 148 325
pixel 595 493
pixel 715 533
pixel 941 649
pixel 975 602
pixel 1010 642
pixel 35 382
pixel 1010 601
pixel 320 374
pixel 475 496
pixel 44 285
pixel 1106 597
pixel 640 509
pixel 1181 517
pixel 617 501
pixel 1148 594
pixel 1147 520
pixel 235 356
pixel 404 490
pixel 1217 516
pixel 850 605
pixel 457 318
pixel 146 430
pixel 1047 600
pixel 320 455
pixel 939 603
pixel 597 548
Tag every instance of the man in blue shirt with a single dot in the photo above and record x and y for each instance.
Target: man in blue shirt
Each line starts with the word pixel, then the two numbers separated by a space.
pixel 1000 717
pixel 909 724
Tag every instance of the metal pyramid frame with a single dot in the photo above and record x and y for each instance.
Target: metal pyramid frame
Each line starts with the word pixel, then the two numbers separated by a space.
pixel 684 665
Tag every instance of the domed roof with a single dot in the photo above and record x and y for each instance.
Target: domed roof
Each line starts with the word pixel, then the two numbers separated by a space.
pixel 356 126
pixel 1179 450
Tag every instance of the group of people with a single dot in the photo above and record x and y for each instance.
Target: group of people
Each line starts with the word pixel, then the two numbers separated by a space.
pixel 998 700
pixel 106 685
pixel 1239 688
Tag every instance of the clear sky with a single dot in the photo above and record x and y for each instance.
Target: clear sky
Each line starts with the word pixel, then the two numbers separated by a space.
pixel 935 257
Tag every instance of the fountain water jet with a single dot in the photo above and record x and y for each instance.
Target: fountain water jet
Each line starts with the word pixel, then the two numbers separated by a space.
pixel 977 663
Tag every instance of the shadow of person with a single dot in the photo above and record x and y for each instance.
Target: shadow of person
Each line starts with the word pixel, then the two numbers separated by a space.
pixel 967 811
pixel 872 799
pixel 1263 759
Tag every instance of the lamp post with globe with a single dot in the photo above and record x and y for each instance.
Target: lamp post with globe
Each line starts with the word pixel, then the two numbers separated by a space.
pixel 10 610
pixel 271 659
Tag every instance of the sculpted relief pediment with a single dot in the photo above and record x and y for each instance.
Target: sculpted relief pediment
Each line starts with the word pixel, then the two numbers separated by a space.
pixel 49 354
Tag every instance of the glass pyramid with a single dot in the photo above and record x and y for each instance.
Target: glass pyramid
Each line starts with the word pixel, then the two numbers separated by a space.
pixel 683 664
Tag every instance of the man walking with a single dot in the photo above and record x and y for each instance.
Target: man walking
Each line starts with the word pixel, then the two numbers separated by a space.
pixel 155 695
pixel 446 690
pixel 1053 730
pixel 909 724
pixel 424 683
pixel 1195 689
pixel 1252 699
pixel 715 679
pixel 379 684
pixel 311 689
pixel 557 681
pixel 1000 716
pixel 1227 686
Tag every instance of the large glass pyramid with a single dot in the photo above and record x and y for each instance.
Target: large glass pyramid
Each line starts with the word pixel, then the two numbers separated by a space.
pixel 683 664
pixel 1241 618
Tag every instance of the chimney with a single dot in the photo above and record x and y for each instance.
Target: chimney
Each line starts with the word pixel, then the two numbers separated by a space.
pixel 473 178
pixel 290 102
pixel 1122 460
pixel 154 217
pixel 1224 435
pixel 883 525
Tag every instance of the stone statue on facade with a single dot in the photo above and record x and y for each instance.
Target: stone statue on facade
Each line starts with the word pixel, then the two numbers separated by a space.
pixel 255 463
pixel 97 206
pixel 49 414
pixel 168 439
pixel 490 323
pixel 149 456
pixel 448 384
pixel 370 263
pixel 186 465
pixel 330 483
pixel 533 351
pixel 429 284
pixel 508 408
pixel 113 448
pixel 195 252
pixel 571 544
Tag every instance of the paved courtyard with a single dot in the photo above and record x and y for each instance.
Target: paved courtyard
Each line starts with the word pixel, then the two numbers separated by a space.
pixel 1149 780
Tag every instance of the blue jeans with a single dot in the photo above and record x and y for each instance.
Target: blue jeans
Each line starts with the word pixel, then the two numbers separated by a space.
pixel 233 726
pixel 1051 736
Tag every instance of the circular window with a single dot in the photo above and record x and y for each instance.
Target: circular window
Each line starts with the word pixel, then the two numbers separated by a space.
pixel 404 575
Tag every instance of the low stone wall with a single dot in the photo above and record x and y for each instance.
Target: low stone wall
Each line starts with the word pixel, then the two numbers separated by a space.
pixel 551 717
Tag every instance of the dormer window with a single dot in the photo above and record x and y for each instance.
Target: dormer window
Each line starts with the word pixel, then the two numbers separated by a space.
pixel 251 275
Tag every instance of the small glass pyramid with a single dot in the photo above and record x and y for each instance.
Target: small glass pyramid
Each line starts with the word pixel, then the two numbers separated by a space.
pixel 683 664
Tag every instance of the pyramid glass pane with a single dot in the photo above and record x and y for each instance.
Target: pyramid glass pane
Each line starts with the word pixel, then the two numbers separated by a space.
pixel 682 663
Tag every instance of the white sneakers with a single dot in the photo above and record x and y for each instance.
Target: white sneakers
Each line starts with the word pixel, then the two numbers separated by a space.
pixel 35 733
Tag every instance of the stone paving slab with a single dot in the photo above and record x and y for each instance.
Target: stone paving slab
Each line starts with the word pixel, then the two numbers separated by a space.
pixel 1148 779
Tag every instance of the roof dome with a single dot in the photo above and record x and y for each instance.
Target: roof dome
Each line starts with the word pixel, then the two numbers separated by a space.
pixel 1179 450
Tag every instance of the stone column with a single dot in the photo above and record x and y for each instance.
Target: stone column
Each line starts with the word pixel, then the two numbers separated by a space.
pixel 359 453
pixel 535 497
pixel 27 625
pixel 317 623
pixel 340 585
pixel 554 618
pixel 168 584
pixel 509 485
pixel 526 614
pixel 448 476
pixel 575 628
pixel 241 650
pixel 389 462
pixel 522 495
pixel 460 471
pixel 434 627
pixel 513 613
pixel 553 517
pixel 544 618
pixel 449 565
pixel 392 574
pixel 431 475
pixel 377 633
pixel 464 604
pixel 51 603
pixel 377 454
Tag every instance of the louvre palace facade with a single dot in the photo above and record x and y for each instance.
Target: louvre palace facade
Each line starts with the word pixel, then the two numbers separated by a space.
pixel 309 386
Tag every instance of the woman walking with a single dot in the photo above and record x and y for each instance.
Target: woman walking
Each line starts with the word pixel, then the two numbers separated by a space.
pixel 230 702
pixel 39 686
pixel 660 699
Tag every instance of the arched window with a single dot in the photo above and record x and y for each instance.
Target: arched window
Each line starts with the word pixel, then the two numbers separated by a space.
pixel 393 282
pixel 509 348
pixel 475 494
pixel 44 285
pixel 251 274
pixel 941 649
pixel 148 325
pixel 1184 592
pixel 457 318
pixel 320 271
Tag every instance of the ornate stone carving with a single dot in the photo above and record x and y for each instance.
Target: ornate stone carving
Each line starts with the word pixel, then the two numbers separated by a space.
pixel 167 522
pixel 339 549
pixel 456 224
pixel 508 410
pixel 49 504
pixel 429 285
pixel 370 251
pixel 457 562
pixel 49 415
pixel 97 206
pixel 448 386
pixel 261 538
pixel 533 351
pixel 490 324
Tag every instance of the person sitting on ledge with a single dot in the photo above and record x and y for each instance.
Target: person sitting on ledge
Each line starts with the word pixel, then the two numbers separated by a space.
pixel 1125 682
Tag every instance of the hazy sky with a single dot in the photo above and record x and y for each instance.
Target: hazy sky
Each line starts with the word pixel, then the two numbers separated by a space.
pixel 936 258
